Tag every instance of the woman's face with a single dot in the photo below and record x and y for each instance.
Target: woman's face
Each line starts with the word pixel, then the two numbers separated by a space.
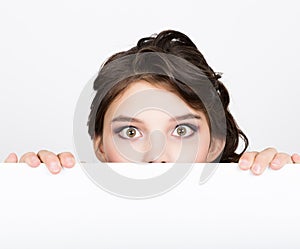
pixel 151 124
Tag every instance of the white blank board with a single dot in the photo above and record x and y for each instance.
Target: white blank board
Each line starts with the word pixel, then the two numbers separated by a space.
pixel 233 209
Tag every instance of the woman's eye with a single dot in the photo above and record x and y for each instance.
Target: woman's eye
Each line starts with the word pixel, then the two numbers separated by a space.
pixel 184 131
pixel 130 132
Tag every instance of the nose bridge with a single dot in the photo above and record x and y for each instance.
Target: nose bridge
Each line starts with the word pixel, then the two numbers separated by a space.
pixel 157 146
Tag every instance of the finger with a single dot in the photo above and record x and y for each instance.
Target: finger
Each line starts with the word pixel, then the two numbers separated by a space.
pixel 67 160
pixel 296 158
pixel 31 159
pixel 12 158
pixel 280 160
pixel 263 160
pixel 247 159
pixel 51 161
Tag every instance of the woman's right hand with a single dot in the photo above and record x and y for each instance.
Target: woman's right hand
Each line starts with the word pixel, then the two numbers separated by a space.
pixel 54 162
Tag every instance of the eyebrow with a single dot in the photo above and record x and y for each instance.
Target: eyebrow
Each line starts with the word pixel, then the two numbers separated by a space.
pixel 122 118
pixel 186 116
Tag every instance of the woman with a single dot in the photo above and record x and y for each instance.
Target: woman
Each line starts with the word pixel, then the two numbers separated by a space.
pixel 168 65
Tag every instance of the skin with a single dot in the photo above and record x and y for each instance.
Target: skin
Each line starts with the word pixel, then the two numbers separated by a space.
pixel 169 146
pixel 113 146
pixel 54 162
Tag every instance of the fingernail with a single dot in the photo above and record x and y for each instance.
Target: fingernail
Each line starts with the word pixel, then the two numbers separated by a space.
pixel 70 161
pixel 34 160
pixel 257 168
pixel 11 155
pixel 244 163
pixel 297 156
pixel 276 162
pixel 54 168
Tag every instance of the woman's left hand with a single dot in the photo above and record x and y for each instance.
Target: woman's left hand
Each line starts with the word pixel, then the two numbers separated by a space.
pixel 257 162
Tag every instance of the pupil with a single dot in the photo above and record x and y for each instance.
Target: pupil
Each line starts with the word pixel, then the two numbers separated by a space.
pixel 181 131
pixel 130 132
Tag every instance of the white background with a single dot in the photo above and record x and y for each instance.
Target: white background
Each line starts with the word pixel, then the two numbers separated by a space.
pixel 50 49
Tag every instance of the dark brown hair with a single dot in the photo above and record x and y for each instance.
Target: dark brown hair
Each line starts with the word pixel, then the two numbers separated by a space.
pixel 109 84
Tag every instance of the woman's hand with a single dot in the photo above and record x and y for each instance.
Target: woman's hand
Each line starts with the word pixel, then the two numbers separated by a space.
pixel 257 162
pixel 54 162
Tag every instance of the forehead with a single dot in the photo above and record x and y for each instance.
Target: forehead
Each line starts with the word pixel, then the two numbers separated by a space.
pixel 141 86
pixel 142 96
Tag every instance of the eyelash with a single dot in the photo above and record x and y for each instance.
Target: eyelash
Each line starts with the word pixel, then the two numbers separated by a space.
pixel 194 129
pixel 118 130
